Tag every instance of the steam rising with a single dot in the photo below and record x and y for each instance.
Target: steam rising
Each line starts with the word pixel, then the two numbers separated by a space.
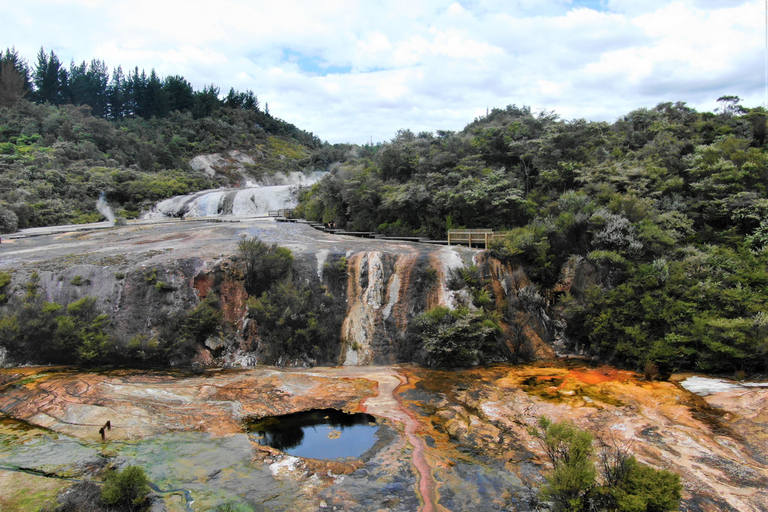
pixel 104 208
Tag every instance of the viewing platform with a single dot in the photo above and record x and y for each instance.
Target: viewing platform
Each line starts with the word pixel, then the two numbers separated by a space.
pixel 284 213
pixel 469 237
pixel 473 237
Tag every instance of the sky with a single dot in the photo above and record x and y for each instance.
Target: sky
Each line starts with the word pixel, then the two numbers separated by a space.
pixel 358 71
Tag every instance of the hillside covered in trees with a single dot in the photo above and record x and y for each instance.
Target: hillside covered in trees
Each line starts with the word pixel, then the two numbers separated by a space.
pixel 67 135
pixel 668 206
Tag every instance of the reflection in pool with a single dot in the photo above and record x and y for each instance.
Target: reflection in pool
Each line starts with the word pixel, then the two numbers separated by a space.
pixel 317 434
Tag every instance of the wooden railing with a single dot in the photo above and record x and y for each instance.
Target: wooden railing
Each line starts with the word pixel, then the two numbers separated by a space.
pixel 472 237
pixel 285 213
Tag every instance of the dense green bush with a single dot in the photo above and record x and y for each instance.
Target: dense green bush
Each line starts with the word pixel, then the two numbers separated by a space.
pixel 303 320
pixel 46 332
pixel 460 337
pixel 127 489
pixel 574 483
pixel 185 332
pixel 645 489
pixel 9 221
pixel 703 310
pixel 264 264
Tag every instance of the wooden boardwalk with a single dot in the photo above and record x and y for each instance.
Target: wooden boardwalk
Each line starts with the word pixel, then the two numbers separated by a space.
pixel 469 237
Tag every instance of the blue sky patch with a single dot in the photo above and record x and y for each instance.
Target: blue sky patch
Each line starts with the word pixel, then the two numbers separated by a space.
pixel 314 65
pixel 596 5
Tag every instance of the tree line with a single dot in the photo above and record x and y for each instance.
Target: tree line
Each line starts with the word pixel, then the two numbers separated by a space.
pixel 111 96
pixel 67 135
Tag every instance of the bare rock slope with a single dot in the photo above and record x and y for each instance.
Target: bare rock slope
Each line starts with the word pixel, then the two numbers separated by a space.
pixel 146 272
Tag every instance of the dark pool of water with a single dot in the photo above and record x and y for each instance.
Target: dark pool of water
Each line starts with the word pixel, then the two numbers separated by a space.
pixel 317 434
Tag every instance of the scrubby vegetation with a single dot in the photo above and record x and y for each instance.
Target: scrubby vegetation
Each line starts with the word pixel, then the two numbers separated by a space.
pixel 40 331
pixel 127 490
pixel 460 337
pixel 36 331
pixel 615 482
pixel 302 319
pixel 667 206
pixel 69 135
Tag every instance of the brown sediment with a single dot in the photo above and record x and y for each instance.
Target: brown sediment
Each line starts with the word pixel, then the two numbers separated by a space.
pixel 404 269
pixel 436 295
pixel 203 283
pixel 476 417
pixel 234 299
pixel 357 325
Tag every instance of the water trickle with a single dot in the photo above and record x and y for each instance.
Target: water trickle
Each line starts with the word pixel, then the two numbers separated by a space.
pixel 317 434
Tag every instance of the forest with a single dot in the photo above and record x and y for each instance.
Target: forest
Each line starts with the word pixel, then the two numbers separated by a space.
pixel 667 204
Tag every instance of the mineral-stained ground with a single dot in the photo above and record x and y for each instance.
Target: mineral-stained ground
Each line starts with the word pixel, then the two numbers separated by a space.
pixel 450 440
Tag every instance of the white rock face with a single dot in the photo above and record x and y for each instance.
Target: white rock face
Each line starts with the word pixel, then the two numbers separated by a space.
pixel 449 260
pixel 246 202
pixel 273 193
pixel 704 386
pixel 210 163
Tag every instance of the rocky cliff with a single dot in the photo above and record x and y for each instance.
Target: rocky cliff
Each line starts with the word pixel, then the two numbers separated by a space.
pixel 145 275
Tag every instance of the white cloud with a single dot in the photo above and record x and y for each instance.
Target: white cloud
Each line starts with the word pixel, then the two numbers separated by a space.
pixel 427 65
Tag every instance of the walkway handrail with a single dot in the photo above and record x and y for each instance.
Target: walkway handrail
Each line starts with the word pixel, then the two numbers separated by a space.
pixel 473 236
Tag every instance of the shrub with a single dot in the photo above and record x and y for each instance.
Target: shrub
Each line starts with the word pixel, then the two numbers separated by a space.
pixel 300 320
pixel 5 280
pixel 645 489
pixel 162 286
pixel 184 332
pixel 34 331
pixel 627 485
pixel 458 337
pixel 9 222
pixel 84 496
pixel 264 264
pixel 127 489
pixel 573 473
pixel 529 246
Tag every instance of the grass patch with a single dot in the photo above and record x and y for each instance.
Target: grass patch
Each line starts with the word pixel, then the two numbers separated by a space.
pixel 288 149
pixel 28 493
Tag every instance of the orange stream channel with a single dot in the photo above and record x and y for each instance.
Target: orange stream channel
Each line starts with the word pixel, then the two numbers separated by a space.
pixel 388 404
